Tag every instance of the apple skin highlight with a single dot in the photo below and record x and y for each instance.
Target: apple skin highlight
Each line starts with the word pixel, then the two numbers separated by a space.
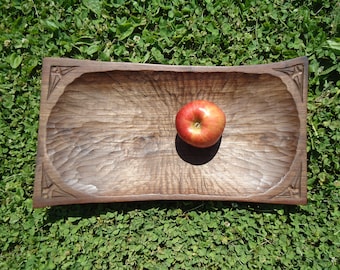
pixel 200 123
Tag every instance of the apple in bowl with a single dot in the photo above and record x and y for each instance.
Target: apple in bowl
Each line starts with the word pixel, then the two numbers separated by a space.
pixel 200 123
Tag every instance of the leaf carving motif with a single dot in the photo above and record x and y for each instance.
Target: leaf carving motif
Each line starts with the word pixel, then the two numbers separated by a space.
pixel 50 189
pixel 294 189
pixel 296 74
pixel 56 74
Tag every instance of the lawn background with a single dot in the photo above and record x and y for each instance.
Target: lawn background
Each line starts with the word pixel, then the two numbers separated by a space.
pixel 168 235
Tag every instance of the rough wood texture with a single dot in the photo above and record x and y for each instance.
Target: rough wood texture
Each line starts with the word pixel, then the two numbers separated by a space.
pixel 107 133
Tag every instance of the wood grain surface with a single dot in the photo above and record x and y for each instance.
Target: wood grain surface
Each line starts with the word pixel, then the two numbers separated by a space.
pixel 107 133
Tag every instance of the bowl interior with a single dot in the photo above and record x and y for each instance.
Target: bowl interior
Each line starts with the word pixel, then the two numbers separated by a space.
pixel 113 133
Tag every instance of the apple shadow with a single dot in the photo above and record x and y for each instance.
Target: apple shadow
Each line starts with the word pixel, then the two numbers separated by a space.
pixel 195 155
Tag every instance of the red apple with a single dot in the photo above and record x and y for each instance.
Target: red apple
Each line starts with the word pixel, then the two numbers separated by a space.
pixel 200 123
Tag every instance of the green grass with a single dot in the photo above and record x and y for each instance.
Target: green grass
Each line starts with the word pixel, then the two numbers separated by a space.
pixel 168 235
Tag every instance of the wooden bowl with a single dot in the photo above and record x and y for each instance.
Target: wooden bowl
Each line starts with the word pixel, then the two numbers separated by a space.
pixel 107 133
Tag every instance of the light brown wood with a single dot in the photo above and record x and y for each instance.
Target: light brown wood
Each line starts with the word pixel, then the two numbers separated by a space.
pixel 107 133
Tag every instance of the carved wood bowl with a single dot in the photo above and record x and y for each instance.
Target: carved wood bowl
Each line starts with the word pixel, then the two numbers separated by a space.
pixel 107 133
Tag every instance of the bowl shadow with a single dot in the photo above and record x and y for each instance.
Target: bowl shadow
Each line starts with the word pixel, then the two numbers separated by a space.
pixel 195 155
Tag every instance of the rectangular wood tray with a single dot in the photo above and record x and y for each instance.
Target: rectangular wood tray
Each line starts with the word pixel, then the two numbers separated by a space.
pixel 107 133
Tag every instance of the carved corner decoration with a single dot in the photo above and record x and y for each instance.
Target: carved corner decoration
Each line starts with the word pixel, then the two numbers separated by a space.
pixel 108 135
pixel 49 189
pixel 296 73
pixel 294 189
pixel 56 75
